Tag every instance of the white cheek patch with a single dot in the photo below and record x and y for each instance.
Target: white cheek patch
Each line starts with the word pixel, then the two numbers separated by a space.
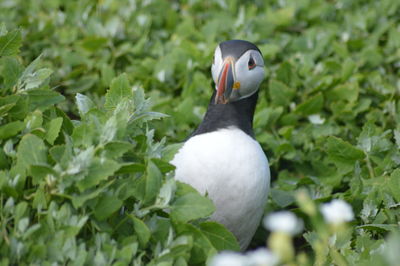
pixel 250 79
pixel 217 64
pixel 258 58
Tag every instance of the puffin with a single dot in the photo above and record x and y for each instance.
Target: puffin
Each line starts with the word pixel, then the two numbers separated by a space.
pixel 221 158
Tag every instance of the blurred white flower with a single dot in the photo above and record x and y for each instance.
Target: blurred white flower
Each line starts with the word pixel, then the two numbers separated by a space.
pixel 337 211
pixel 161 76
pixel 316 119
pixel 141 19
pixel 345 36
pixel 228 258
pixel 261 257
pixel 283 221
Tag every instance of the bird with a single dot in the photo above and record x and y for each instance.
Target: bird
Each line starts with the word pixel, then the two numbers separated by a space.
pixel 221 158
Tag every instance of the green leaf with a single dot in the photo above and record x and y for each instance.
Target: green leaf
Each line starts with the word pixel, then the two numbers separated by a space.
pixel 344 92
pixel 131 168
pixel 99 170
pixel 380 227
pixel 20 210
pixel 164 166
pixel 20 108
pixel 109 130
pixel 5 108
pixel 10 43
pixel 349 66
pixel 220 237
pixel 79 200
pixel 106 206
pixel 342 151
pixel 3 163
pixel 67 125
pixel 191 206
pixel 170 150
pixel 94 43
pixel 84 103
pixel 311 106
pixel 166 194
pixel 127 253
pixel 32 77
pixel 61 154
pixel 11 129
pixel 53 129
pixel 281 197
pixel 107 74
pixel 178 248
pixel 153 182
pixel 31 150
pixel 397 137
pixel 202 246
pixel 39 200
pixel 40 171
pixel 34 121
pixel 142 231
pixel 281 16
pixel 280 94
pixel 42 99
pixel 12 70
pixel 394 184
pixel 37 78
pixel 268 116
pixel 286 73
pixel 148 116
pixel 119 89
pixel 183 189
pixel 84 134
pixel 116 149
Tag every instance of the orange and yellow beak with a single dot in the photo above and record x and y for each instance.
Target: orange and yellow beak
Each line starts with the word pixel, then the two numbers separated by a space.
pixel 226 82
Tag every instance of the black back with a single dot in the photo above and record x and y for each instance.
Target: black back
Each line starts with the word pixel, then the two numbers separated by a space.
pixel 238 114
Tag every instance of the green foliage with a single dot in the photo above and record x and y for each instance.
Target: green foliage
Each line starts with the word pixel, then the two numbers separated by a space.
pixel 94 190
pixel 10 43
pixel 84 158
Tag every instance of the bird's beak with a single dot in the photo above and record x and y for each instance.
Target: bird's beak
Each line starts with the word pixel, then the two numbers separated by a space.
pixel 226 82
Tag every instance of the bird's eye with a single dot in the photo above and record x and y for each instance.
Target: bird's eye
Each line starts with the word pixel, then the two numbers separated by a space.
pixel 251 64
pixel 213 59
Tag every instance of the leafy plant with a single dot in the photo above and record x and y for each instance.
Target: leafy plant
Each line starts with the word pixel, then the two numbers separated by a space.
pixel 93 190
pixel 84 173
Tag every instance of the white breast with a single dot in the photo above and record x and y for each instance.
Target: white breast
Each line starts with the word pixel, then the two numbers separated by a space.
pixel 232 168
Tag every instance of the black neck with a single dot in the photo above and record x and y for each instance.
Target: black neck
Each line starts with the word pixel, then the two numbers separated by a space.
pixel 238 114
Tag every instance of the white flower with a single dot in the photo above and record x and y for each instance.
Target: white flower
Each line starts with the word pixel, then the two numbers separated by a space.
pixel 261 257
pixel 283 221
pixel 337 211
pixel 141 19
pixel 345 36
pixel 316 119
pixel 161 76
pixel 228 258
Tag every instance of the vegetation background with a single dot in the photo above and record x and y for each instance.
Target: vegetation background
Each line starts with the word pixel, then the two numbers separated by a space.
pixel 84 157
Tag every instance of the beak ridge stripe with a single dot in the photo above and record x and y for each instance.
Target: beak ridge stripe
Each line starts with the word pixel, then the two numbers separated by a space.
pixel 222 84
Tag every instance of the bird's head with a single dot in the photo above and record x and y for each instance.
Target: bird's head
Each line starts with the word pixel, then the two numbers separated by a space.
pixel 237 70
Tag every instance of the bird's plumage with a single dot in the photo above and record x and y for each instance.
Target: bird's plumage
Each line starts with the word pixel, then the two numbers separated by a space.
pixel 236 48
pixel 231 167
pixel 222 158
pixel 239 114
